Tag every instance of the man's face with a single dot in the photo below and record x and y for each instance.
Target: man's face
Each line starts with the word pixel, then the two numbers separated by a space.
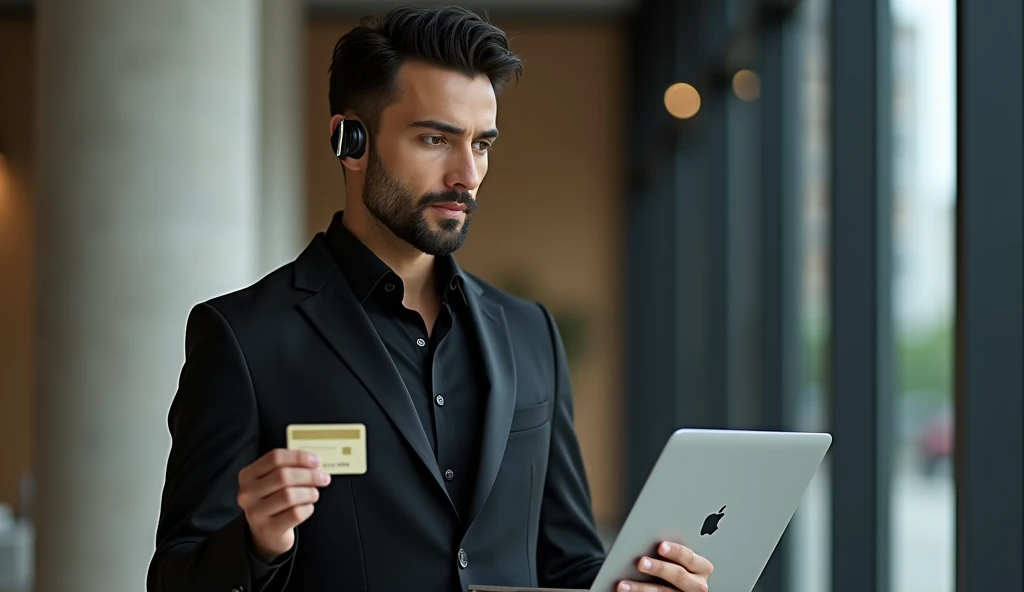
pixel 429 156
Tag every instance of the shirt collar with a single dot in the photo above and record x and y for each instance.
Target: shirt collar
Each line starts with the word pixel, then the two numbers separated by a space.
pixel 367 274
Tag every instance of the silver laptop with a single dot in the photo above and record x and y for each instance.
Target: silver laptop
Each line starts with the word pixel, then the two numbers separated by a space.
pixel 726 494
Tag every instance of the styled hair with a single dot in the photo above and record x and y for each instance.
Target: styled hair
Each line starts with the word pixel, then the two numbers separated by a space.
pixel 366 61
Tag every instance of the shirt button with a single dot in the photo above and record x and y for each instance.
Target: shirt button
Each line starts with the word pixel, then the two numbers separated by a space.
pixel 389 287
pixel 420 342
pixel 440 400
pixel 449 475
pixel 463 559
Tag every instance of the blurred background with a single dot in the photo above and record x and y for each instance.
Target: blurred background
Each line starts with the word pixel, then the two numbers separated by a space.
pixel 768 214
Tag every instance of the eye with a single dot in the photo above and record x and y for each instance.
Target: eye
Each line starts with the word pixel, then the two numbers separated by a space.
pixel 483 146
pixel 433 140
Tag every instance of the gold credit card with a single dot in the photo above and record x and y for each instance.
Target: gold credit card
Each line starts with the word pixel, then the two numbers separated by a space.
pixel 340 447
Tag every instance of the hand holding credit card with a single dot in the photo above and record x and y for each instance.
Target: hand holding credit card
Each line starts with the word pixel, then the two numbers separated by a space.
pixel 277 493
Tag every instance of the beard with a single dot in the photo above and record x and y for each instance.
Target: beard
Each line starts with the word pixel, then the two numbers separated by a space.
pixel 396 207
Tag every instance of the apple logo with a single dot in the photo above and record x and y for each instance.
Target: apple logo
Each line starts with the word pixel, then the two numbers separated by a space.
pixel 711 522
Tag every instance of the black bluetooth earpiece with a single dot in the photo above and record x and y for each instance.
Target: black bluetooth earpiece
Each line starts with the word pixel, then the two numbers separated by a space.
pixel 348 139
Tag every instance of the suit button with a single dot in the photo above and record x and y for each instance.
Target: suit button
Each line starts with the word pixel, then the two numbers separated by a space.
pixel 463 559
pixel 449 475
pixel 440 400
pixel 238 589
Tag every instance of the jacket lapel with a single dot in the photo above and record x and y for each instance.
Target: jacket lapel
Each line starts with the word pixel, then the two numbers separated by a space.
pixel 336 314
pixel 496 345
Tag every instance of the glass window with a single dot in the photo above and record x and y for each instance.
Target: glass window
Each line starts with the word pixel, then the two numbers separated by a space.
pixel 924 190
pixel 810 565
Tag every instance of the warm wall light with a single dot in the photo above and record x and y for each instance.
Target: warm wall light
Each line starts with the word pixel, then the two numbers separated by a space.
pixel 5 186
pixel 747 85
pixel 682 100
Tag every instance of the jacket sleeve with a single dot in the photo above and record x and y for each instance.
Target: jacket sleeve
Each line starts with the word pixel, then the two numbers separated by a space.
pixel 569 551
pixel 202 539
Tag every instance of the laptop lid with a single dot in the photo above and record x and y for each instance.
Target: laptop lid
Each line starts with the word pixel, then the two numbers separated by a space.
pixel 726 494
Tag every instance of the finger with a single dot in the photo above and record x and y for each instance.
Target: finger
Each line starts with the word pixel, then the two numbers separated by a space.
pixel 290 518
pixel 279 457
pixel 685 557
pixel 664 570
pixel 282 501
pixel 630 586
pixel 280 479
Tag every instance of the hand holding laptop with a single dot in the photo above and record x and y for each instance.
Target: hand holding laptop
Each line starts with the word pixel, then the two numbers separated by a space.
pixel 679 567
pixel 759 477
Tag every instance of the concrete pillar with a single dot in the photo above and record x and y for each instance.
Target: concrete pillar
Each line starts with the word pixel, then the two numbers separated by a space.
pixel 147 203
pixel 282 188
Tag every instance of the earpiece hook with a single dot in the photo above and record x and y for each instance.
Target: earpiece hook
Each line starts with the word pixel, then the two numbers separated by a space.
pixel 340 132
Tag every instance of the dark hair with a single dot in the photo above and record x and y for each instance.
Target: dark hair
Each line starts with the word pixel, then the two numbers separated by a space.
pixel 364 67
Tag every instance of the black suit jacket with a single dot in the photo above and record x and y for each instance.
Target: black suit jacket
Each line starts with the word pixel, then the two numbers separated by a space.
pixel 296 347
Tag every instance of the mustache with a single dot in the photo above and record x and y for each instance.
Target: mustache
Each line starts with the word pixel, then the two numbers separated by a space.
pixel 464 198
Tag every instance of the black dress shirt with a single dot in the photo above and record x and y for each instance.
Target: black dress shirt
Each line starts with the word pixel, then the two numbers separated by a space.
pixel 442 369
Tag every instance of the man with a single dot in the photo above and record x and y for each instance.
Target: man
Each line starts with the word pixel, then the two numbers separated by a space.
pixel 474 474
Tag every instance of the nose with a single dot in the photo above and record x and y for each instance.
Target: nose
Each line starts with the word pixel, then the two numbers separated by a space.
pixel 464 172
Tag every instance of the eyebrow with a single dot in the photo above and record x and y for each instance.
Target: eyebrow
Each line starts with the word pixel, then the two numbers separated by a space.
pixel 449 128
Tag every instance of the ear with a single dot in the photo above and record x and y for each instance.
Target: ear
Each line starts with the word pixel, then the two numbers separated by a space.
pixel 352 164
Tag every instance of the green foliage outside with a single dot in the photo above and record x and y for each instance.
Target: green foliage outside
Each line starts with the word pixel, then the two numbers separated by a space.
pixel 923 368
